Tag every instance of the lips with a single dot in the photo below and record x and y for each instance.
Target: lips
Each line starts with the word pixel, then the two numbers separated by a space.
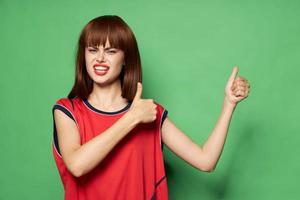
pixel 101 69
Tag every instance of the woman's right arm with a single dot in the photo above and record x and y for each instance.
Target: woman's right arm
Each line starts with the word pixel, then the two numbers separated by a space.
pixel 80 159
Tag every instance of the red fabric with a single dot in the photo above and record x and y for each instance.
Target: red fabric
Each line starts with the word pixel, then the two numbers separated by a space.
pixel 133 170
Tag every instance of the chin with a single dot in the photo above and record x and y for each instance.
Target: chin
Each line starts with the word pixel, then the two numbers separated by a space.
pixel 103 83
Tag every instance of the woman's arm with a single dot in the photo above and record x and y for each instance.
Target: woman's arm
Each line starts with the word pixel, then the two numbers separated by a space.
pixel 205 158
pixel 80 159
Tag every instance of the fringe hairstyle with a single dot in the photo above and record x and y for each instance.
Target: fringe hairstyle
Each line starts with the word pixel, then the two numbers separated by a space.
pixel 119 35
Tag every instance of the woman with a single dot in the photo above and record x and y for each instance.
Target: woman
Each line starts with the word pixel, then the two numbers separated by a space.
pixel 108 140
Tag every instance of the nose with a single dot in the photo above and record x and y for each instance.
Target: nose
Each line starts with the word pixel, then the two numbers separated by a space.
pixel 100 55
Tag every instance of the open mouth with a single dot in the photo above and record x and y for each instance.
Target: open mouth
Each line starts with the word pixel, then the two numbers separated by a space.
pixel 101 69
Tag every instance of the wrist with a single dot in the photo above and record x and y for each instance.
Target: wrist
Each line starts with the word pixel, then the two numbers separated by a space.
pixel 228 104
pixel 132 117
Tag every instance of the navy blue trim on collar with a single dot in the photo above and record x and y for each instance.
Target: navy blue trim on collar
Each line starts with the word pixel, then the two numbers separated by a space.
pixel 106 112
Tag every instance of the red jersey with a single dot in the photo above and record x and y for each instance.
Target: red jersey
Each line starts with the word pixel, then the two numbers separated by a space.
pixel 133 170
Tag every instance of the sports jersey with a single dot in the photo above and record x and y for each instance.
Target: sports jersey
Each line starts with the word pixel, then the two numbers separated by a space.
pixel 132 170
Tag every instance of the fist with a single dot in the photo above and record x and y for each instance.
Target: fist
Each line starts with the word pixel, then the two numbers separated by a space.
pixel 144 110
pixel 237 88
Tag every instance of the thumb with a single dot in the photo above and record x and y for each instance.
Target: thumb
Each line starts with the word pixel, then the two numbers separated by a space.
pixel 139 90
pixel 233 74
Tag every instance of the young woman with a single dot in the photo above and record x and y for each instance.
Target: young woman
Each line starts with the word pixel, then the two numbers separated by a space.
pixel 108 140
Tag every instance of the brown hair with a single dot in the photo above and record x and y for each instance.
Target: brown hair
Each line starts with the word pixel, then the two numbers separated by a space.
pixel 119 34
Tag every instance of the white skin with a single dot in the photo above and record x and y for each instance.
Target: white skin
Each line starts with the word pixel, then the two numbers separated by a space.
pixel 106 95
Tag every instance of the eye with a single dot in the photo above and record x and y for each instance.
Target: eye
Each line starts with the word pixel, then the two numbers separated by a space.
pixel 111 51
pixel 92 50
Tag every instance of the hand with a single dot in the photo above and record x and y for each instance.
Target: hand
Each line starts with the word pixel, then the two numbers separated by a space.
pixel 144 110
pixel 237 88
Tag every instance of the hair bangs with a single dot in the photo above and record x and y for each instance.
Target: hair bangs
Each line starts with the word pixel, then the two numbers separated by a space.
pixel 99 33
pixel 96 36
pixel 114 29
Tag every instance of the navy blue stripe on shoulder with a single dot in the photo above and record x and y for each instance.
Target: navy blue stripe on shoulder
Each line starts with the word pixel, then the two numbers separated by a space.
pixel 55 137
pixel 64 110
pixel 165 114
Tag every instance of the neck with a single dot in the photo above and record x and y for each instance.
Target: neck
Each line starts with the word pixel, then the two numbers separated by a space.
pixel 108 95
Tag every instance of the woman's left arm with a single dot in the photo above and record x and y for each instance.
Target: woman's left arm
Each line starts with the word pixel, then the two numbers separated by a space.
pixel 205 158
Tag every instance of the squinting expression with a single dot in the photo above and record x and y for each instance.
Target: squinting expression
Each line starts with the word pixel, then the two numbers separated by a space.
pixel 104 64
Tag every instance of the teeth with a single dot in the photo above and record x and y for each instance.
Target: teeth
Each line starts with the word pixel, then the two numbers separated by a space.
pixel 101 68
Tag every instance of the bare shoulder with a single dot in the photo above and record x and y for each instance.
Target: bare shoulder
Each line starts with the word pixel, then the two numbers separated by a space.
pixel 67 132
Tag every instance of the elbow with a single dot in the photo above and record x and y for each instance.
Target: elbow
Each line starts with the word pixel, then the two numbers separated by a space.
pixel 76 170
pixel 77 173
pixel 207 168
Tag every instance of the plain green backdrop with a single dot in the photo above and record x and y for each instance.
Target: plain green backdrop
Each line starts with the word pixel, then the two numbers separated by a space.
pixel 188 50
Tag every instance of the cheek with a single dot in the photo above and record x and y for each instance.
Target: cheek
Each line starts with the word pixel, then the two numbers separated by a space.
pixel 116 61
pixel 89 70
pixel 88 58
pixel 89 63
pixel 119 59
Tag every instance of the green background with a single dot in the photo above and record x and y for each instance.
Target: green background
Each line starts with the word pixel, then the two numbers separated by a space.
pixel 188 50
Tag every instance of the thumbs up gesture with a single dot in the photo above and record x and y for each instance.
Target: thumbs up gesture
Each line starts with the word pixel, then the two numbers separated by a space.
pixel 237 88
pixel 143 109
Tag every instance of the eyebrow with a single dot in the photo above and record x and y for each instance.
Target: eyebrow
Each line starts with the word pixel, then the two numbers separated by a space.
pixel 107 48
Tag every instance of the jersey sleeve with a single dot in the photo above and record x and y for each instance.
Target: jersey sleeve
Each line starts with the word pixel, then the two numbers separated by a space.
pixel 161 115
pixel 66 106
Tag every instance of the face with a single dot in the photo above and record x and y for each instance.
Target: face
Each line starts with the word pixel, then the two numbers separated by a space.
pixel 104 63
